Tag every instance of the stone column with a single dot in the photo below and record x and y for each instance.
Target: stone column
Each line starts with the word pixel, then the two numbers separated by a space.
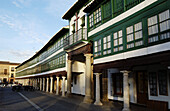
pixel 51 86
pixel 35 83
pixel 68 78
pixel 126 102
pixel 98 102
pixel 57 86
pixel 87 98
pixel 47 84
pixel 43 84
pixel 40 84
pixel 63 86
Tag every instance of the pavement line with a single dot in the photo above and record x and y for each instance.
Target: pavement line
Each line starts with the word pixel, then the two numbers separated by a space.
pixel 33 104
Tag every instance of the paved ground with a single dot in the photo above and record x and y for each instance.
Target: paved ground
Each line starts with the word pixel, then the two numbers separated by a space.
pixel 36 100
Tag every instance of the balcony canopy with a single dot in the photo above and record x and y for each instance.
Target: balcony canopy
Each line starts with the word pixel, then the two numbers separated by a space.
pixel 76 7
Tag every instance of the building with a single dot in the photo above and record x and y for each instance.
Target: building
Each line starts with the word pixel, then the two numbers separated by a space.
pixel 131 49
pixel 7 72
pixel 115 50
pixel 47 68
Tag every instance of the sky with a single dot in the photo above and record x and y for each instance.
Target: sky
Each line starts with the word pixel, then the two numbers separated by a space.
pixel 27 25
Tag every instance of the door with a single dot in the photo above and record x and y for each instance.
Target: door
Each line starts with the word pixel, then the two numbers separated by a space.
pixel 142 87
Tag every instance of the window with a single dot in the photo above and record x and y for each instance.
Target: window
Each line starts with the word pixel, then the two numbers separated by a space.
pixel 162 80
pixel 134 35
pixel 5 71
pixel 107 13
pixel 83 21
pixel 75 79
pixel 107 45
pixel 97 48
pixel 91 20
pixel 97 15
pixel 117 7
pixel 118 41
pixel 159 27
pixel 12 75
pixel 153 83
pixel 12 68
pixel 117 83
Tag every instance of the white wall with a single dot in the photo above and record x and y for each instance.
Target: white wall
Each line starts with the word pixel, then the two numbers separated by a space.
pixel 79 88
pixel 80 15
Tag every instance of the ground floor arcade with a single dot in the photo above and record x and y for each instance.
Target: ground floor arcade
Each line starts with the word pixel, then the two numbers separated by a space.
pixel 143 80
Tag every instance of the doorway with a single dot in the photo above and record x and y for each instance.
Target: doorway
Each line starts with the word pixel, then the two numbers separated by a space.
pixel 142 87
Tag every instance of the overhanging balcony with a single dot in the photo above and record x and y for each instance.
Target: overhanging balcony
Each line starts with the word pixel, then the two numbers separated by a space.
pixel 75 38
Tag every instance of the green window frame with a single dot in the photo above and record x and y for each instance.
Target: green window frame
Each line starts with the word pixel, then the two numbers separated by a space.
pixel 118 41
pixel 97 16
pixel 107 10
pixel 107 45
pixel 134 35
pixel 159 27
pixel 118 7
pixel 91 20
pixel 97 48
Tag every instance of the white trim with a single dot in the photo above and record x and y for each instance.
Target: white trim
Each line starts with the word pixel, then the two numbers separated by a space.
pixel 135 53
pixel 62 49
pixel 44 73
pixel 122 16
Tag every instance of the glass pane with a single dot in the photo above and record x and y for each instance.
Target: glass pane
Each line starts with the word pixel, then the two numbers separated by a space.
pixel 115 35
pixel 165 25
pixel 164 16
pixel 115 43
pixel 120 33
pixel 104 40
pixel 108 45
pixel 129 29
pixel 104 46
pixel 152 20
pixel 138 35
pixel 108 38
pixel 153 29
pixel 120 41
pixel 138 26
pixel 129 37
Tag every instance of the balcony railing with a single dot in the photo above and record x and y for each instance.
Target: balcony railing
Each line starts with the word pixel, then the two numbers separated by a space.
pixel 81 34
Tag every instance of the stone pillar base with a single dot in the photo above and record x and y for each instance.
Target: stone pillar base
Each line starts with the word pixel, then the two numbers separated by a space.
pixel 126 109
pixel 98 103
pixel 87 99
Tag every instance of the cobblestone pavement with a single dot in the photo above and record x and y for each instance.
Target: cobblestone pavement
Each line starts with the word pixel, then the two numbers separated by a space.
pixel 13 101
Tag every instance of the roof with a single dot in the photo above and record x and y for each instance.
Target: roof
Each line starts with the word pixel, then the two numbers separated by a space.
pixel 93 5
pixel 52 40
pixel 8 63
pixel 76 7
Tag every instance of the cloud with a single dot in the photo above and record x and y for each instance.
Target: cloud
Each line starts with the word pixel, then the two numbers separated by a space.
pixel 24 26
pixel 16 4
pixel 23 54
pixel 21 3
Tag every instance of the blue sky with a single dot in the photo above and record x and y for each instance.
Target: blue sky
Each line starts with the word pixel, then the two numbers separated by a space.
pixel 27 25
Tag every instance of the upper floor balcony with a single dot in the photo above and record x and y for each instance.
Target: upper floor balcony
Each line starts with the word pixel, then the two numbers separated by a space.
pixel 75 38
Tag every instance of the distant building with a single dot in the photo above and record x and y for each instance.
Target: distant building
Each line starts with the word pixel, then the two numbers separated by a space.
pixel 7 71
